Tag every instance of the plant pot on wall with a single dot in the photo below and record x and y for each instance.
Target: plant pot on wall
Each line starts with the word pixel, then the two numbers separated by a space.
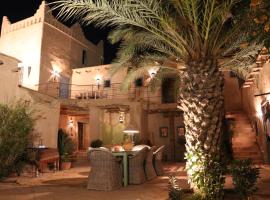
pixel 65 165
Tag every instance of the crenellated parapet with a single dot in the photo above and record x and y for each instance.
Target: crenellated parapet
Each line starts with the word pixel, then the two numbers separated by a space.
pixel 38 17
pixel 44 15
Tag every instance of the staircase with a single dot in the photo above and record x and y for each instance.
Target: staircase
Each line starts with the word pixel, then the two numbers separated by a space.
pixel 244 143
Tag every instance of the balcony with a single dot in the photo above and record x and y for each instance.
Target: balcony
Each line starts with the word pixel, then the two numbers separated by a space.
pixel 95 92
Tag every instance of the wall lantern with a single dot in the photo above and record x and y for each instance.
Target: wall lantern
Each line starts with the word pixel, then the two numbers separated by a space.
pixel 121 117
pixel 55 74
pixel 70 123
pixel 98 79
pixel 153 71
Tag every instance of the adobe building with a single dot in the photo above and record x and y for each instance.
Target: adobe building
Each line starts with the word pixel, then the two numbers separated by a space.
pixel 56 69
pixel 55 63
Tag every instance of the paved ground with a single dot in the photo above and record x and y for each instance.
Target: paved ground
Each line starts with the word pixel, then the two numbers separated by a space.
pixel 71 185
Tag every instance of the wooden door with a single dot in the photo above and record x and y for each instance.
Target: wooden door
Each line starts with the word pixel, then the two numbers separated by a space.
pixel 80 136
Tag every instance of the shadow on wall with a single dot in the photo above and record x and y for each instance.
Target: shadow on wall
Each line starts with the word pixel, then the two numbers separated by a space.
pixel 112 134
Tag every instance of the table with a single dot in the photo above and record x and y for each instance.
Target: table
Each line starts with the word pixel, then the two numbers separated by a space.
pixel 40 157
pixel 124 155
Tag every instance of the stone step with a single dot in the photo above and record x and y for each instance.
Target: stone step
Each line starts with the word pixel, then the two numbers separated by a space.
pixel 244 144
pixel 246 150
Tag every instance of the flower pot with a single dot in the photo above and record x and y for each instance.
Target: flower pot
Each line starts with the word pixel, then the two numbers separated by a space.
pixel 65 165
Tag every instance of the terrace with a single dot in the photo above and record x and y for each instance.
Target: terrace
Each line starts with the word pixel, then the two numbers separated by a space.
pixel 71 184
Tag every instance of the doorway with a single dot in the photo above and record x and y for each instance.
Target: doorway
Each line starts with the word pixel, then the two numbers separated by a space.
pixel 80 136
pixel 64 87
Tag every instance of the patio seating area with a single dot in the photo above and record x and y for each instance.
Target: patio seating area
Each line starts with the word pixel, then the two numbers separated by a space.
pixel 71 184
pixel 110 170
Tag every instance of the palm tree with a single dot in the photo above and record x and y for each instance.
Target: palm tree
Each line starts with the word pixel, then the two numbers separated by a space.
pixel 192 39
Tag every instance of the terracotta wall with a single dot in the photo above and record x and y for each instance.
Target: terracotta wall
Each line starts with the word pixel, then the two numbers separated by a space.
pixel 252 106
pixel 232 93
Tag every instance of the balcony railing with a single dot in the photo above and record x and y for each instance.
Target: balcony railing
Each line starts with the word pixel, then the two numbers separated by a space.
pixel 115 91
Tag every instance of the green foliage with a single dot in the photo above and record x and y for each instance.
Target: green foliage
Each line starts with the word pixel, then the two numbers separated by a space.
pixel 65 145
pixel 244 177
pixel 175 192
pixel 16 128
pixel 65 158
pixel 171 33
pixel 96 143
pixel 260 21
pixel 206 175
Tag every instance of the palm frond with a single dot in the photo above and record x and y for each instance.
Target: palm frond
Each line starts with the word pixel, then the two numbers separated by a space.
pixel 243 60
pixel 143 14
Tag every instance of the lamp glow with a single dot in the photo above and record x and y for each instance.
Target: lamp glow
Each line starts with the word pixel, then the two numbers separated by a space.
pixel 131 129
pixel 98 79
pixel 153 71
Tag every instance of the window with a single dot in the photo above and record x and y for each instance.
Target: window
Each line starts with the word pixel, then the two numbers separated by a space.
pixel 169 92
pixel 84 57
pixel 139 82
pixel 107 83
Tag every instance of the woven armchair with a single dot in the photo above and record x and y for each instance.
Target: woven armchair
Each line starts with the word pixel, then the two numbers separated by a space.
pixel 149 168
pixel 158 161
pixel 105 173
pixel 136 167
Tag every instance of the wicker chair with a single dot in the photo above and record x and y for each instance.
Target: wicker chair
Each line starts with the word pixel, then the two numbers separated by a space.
pixel 136 167
pixel 105 171
pixel 158 161
pixel 149 168
pixel 140 147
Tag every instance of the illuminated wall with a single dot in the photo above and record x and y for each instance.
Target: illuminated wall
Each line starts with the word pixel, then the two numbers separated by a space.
pixel 44 44
pixel 91 77
pixel 252 106
pixel 22 40
pixel 47 109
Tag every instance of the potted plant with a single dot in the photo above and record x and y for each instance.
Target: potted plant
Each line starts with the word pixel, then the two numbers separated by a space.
pixel 65 148
pixel 65 162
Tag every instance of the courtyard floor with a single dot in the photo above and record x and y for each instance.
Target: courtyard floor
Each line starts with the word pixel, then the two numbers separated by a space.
pixel 71 185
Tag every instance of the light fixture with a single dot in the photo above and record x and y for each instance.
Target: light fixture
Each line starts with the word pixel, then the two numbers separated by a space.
pixel 70 123
pixel 121 117
pixel 153 71
pixel 131 129
pixel 55 74
pixel 98 79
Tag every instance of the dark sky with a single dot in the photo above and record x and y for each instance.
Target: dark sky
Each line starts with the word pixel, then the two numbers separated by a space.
pixel 17 10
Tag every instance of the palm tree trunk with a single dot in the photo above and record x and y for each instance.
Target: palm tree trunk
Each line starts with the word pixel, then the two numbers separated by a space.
pixel 201 98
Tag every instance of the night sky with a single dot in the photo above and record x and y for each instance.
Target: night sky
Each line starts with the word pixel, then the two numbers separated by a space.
pixel 17 10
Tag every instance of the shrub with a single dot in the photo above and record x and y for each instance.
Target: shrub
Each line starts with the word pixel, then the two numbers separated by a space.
pixel 16 128
pixel 207 175
pixel 96 143
pixel 175 192
pixel 244 177
pixel 65 145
